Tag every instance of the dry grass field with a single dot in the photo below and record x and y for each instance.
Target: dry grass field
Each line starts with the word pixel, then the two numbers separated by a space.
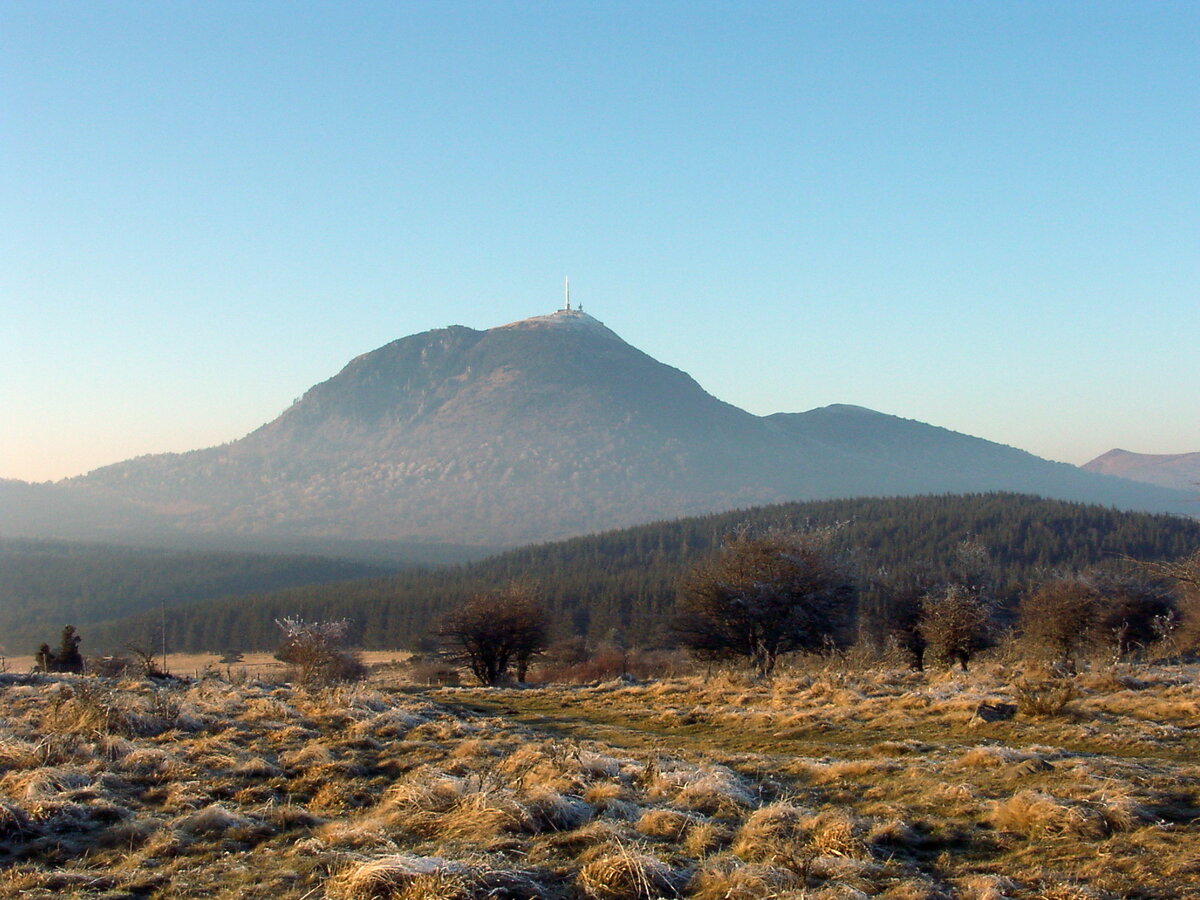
pixel 194 665
pixel 829 783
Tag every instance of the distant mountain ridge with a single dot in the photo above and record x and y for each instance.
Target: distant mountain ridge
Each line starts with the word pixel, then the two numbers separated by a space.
pixel 1173 470
pixel 543 428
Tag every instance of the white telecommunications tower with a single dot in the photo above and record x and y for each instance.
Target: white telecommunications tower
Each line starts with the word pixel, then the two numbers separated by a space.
pixel 567 293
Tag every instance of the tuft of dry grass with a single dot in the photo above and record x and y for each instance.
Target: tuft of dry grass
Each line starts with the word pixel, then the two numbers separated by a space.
pixel 402 877
pixel 628 874
pixel 727 878
pixel 1034 813
pixel 1046 697
pixel 665 824
pixel 212 820
pixel 773 833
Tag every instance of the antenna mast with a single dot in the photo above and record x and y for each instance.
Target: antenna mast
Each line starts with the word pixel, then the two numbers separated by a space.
pixel 567 293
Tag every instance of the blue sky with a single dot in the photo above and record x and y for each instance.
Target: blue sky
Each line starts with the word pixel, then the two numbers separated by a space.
pixel 981 215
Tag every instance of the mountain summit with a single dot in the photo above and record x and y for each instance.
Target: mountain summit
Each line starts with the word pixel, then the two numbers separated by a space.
pixel 543 428
pixel 1173 470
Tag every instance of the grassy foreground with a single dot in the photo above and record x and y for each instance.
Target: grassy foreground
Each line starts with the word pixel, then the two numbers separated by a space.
pixel 823 784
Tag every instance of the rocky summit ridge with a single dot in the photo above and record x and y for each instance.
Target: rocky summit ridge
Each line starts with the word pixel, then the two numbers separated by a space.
pixel 542 428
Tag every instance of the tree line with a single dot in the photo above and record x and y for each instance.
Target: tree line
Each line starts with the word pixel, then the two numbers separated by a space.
pixel 83 583
pixel 760 596
pixel 628 580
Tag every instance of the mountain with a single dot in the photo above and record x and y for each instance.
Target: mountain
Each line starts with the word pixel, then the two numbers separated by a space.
pixel 1172 470
pixel 544 428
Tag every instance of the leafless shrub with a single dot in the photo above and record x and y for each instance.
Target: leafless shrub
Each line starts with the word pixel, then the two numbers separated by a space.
pixel 110 666
pixel 1138 611
pixel 493 631
pixel 1059 619
pixel 317 651
pixel 956 623
pixel 1044 698
pixel 145 662
pixel 761 597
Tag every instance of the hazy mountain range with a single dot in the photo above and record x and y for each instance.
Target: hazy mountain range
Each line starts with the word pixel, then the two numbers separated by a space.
pixel 1173 470
pixel 547 427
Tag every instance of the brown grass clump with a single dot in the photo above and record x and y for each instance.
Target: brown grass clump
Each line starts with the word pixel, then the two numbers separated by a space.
pixel 772 833
pixel 704 838
pixel 151 761
pixel 18 754
pixel 453 808
pixel 613 798
pixel 985 887
pixel 834 833
pixel 987 757
pixel 1044 698
pixel 726 878
pixel 628 875
pixel 549 810
pixel 211 820
pixel 665 824
pixel 402 877
pixel 310 756
pixel 256 767
pixel 88 708
pixel 1033 813
pixel 712 790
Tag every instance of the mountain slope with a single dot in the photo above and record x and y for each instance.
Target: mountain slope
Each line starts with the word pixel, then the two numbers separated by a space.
pixel 1172 470
pixel 544 428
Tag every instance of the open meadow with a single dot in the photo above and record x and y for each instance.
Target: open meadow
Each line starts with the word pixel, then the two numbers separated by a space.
pixel 823 782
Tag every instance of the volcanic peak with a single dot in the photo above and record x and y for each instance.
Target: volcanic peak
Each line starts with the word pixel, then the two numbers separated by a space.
pixel 575 320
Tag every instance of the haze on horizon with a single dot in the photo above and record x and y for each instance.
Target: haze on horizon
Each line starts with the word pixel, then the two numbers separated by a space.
pixel 981 217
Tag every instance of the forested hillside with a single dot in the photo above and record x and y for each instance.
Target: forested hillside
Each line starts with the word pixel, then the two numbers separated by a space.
pixel 47 584
pixel 626 579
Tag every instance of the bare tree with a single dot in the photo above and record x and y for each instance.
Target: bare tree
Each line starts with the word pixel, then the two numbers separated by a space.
pixel 902 605
pixel 1060 618
pixel 1185 573
pixel 1137 610
pixel 494 631
pixel 759 597
pixel 144 661
pixel 318 651
pixel 956 623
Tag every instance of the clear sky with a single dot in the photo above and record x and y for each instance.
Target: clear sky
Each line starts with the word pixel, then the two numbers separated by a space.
pixel 982 215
